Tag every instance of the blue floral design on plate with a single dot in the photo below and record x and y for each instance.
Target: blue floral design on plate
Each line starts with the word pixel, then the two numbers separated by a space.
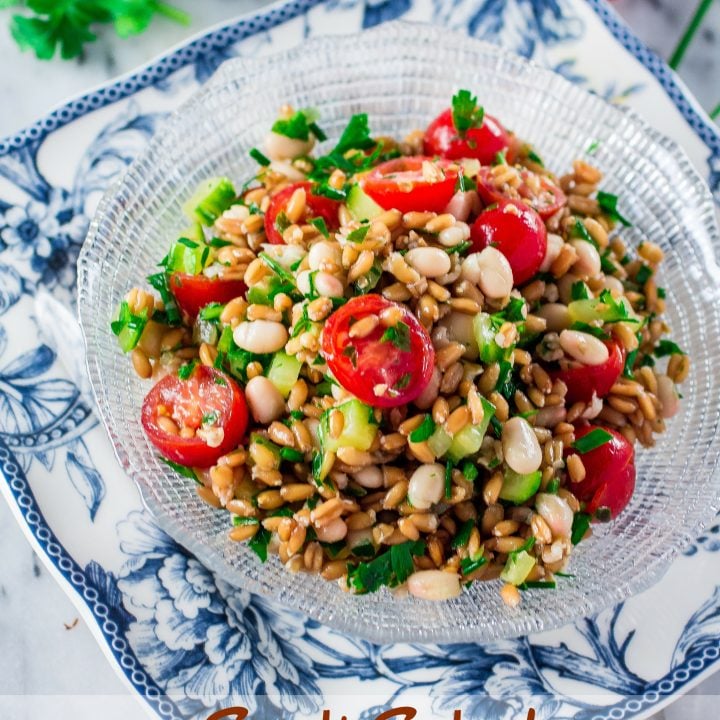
pixel 186 639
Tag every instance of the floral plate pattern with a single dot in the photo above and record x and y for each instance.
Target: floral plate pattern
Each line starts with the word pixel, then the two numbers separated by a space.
pixel 184 639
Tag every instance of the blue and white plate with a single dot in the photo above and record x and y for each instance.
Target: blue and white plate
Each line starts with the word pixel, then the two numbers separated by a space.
pixel 185 640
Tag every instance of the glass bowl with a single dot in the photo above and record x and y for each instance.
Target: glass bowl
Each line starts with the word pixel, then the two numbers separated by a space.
pixel 403 75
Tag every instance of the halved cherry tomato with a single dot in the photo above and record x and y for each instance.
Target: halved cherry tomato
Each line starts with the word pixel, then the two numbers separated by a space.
pixel 584 380
pixel 483 143
pixel 399 184
pixel 517 231
pixel 609 473
pixel 194 292
pixel 315 206
pixel 546 201
pixel 387 367
pixel 207 394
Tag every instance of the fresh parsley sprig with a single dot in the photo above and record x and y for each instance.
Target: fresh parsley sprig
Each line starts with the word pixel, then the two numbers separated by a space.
pixel 68 25
pixel 466 113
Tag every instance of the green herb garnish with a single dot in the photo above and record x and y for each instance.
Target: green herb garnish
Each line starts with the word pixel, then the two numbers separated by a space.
pixel 423 431
pixel 259 158
pixel 463 534
pixel 466 113
pixel 667 347
pixel 594 439
pixel 579 291
pixel 398 335
pixel 358 235
pixel 185 371
pixel 187 472
pixel 608 204
pixel 319 224
pixel 581 523
pixel 590 330
pixel 391 568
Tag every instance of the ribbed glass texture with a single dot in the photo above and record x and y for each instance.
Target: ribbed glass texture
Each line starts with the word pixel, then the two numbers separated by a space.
pixel 402 75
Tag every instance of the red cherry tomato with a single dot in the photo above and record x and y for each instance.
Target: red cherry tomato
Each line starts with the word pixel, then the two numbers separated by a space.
pixel 315 206
pixel 609 473
pixel 207 393
pixel 517 231
pixel 400 184
pixel 483 143
pixel 546 200
pixel 389 366
pixel 194 292
pixel 584 380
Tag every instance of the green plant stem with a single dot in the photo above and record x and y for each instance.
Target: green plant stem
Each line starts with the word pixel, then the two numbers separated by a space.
pixel 692 28
pixel 715 114
pixel 172 13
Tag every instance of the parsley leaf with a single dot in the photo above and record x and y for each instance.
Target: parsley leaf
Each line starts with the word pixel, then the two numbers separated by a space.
pixel 67 25
pixel 187 472
pixel 579 291
pixel 351 352
pixel 424 430
pixel 259 543
pixel 608 204
pixel 581 523
pixel 466 113
pixel 259 158
pixel 295 127
pixel 398 335
pixel 391 568
pixel 358 235
pixel 590 330
pixel 320 225
pixel 463 534
pixel 594 439
pixel 667 347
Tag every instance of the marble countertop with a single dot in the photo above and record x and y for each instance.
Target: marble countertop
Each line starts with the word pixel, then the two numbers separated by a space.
pixel 46 650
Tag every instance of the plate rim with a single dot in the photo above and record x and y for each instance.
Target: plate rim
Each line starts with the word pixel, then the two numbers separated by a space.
pixel 73 109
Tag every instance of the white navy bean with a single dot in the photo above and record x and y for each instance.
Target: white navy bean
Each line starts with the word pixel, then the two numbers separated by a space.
pixel 260 336
pixel 587 264
pixel 583 347
pixel 520 446
pixel 280 147
pixel 556 513
pixel 264 400
pixel 427 486
pixel 428 261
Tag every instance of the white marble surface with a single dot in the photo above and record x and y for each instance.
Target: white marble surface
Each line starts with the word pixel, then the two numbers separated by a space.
pixel 50 665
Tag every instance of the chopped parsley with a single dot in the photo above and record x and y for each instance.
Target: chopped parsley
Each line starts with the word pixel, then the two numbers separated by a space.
pixel 259 543
pixel 590 330
pixel 277 268
pixel 630 363
pixel 592 147
pixel 579 291
pixel 463 534
pixel 459 248
pixel 469 471
pixel 186 370
pixel 538 585
pixel 448 479
pixel 391 568
pixel 500 158
pixel 534 157
pixel 209 418
pixel 259 158
pixel 403 381
pixel 358 235
pixel 187 472
pixel 464 183
pixel 367 282
pixel 424 430
pixel 608 204
pixel 594 439
pixel 643 274
pixel 466 113
pixel 667 347
pixel 319 224
pixel 470 565
pixel 291 455
pixel 211 311
pixel 299 126
pixel 159 281
pixel 398 335
pixel 581 523
pixel 351 352
pixel 553 486
pixel 282 222
pixel 580 232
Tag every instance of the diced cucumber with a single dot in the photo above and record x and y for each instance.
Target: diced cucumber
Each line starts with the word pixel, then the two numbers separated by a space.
pixel 517 488
pixel 359 428
pixel 484 332
pixel 189 256
pixel 362 206
pixel 128 327
pixel 604 308
pixel 518 567
pixel 284 372
pixel 439 442
pixel 469 439
pixel 193 232
pixel 211 199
